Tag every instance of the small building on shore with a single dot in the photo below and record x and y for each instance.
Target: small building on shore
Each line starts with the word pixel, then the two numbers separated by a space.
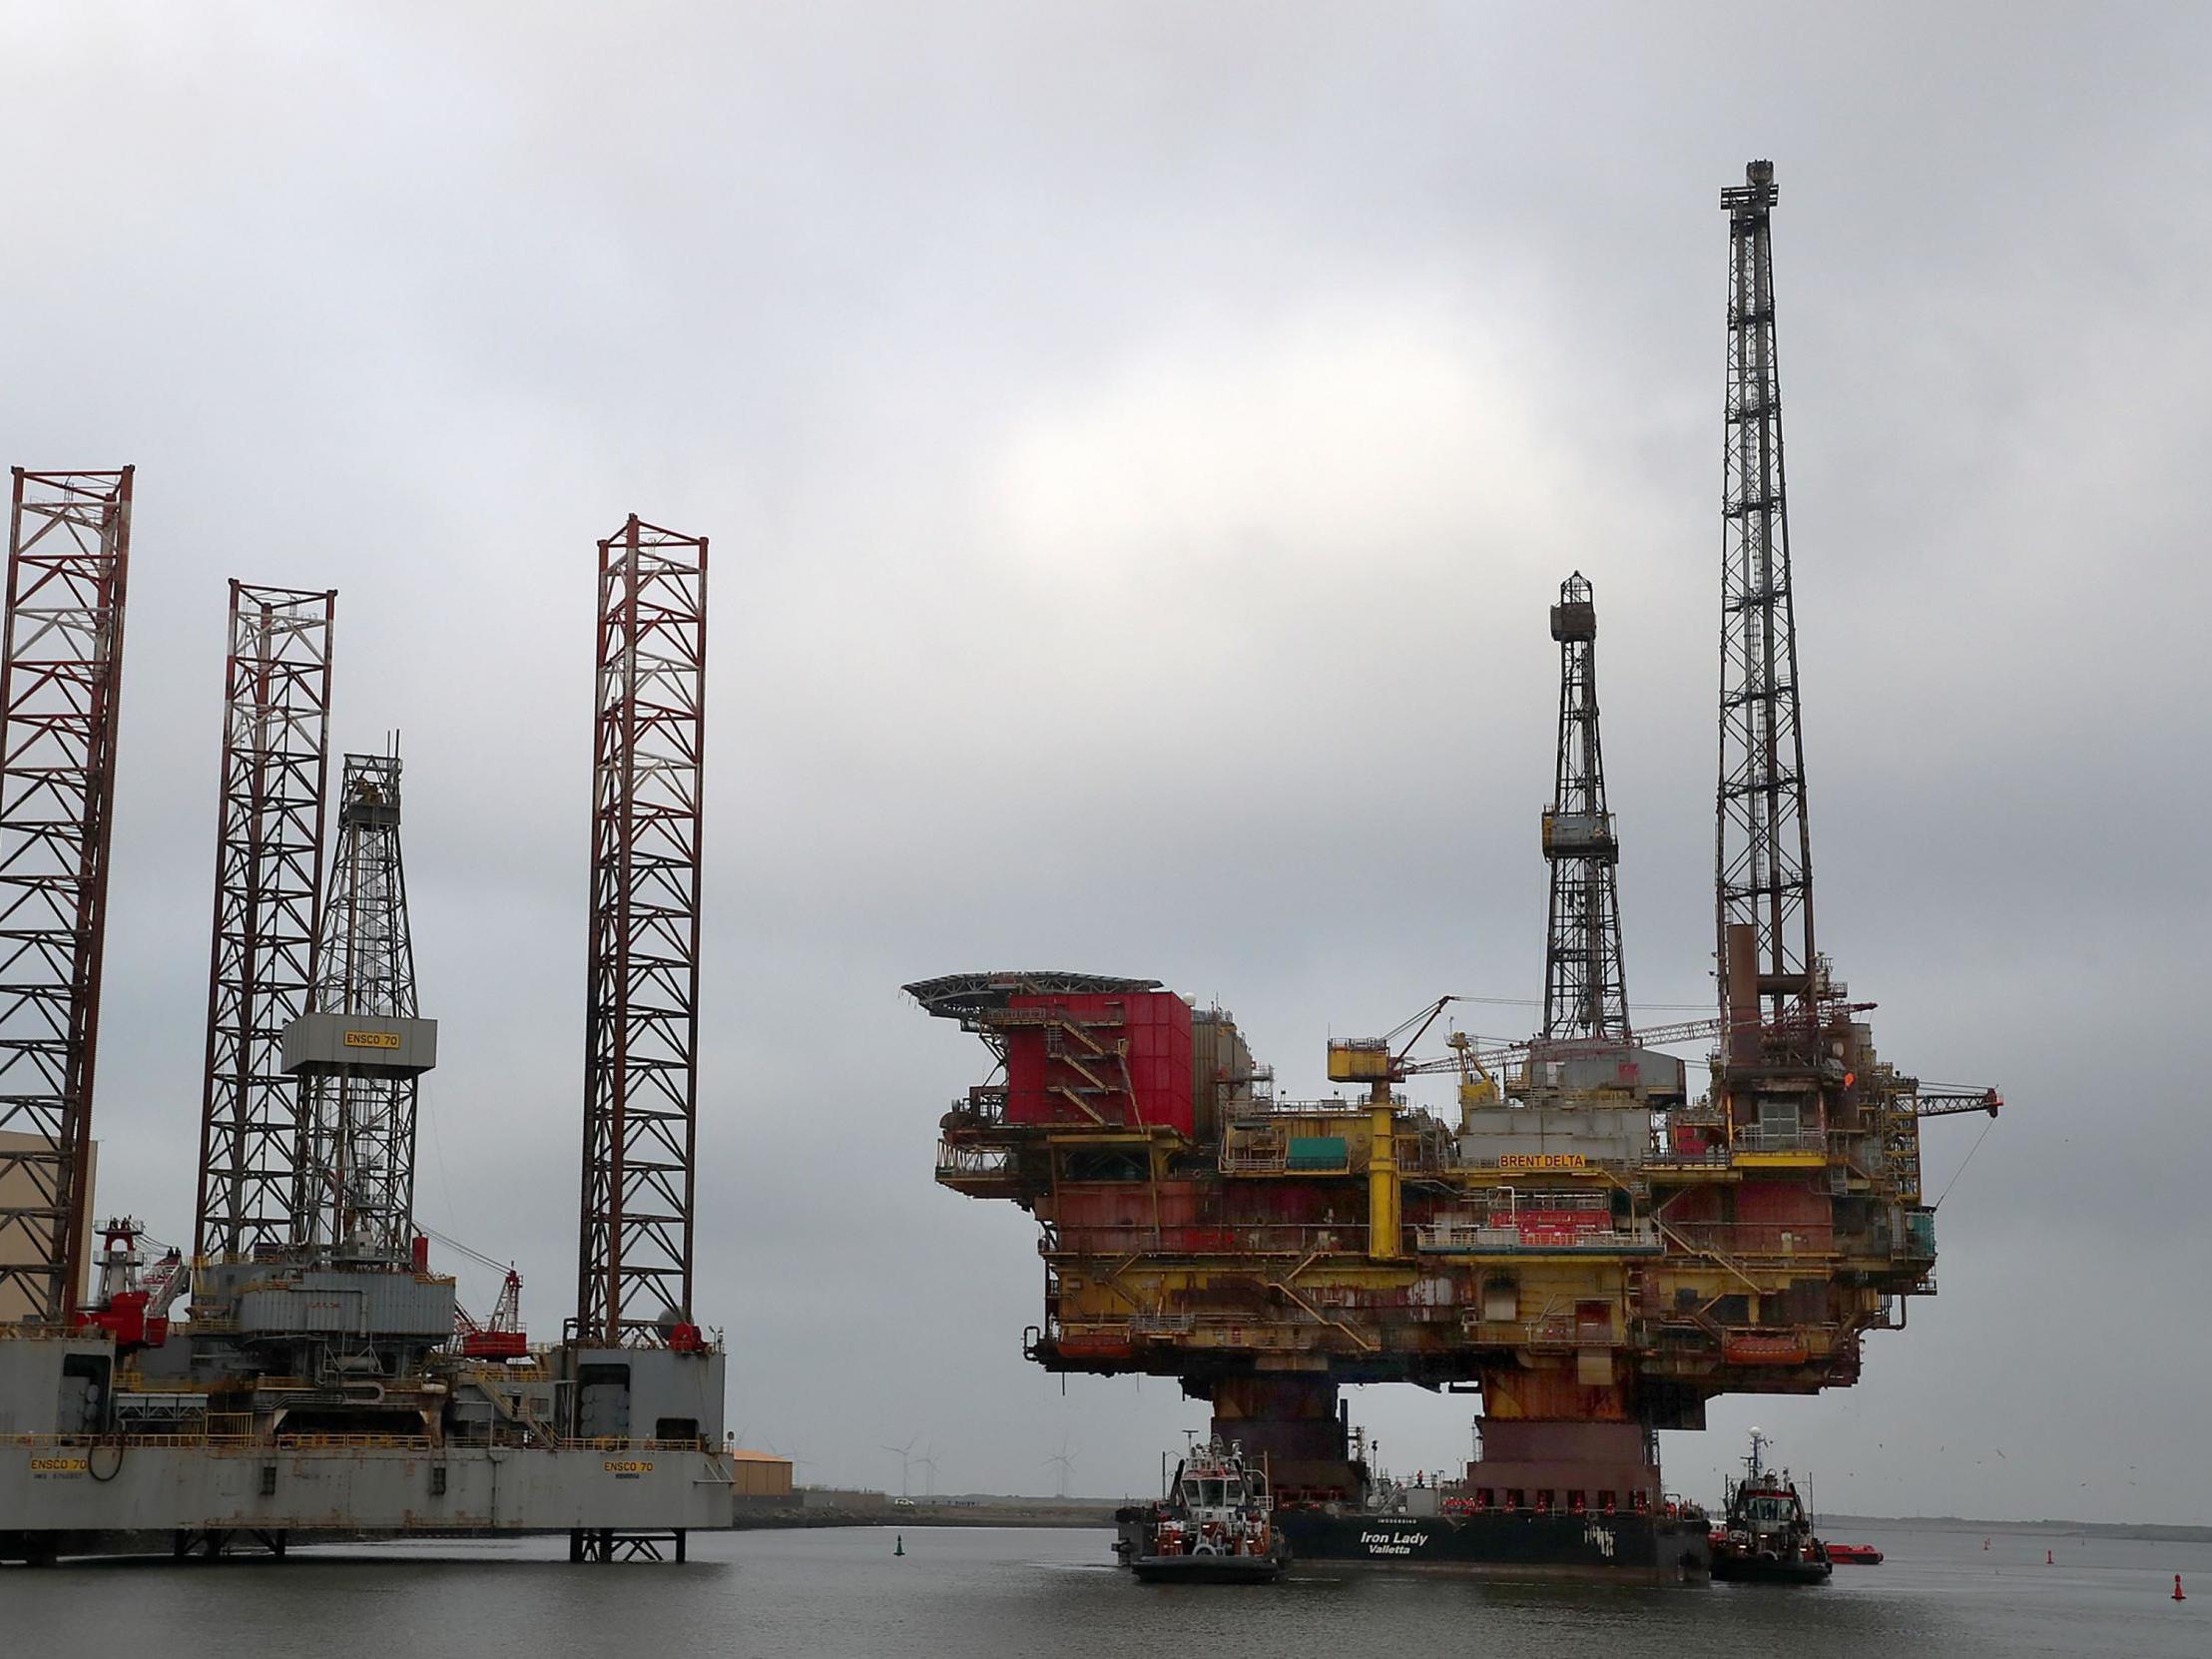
pixel 759 1475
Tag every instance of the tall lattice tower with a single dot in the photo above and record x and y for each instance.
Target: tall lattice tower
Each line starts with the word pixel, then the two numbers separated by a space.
pixel 268 886
pixel 61 674
pixel 640 1071
pixel 1763 849
pixel 362 1047
pixel 1585 995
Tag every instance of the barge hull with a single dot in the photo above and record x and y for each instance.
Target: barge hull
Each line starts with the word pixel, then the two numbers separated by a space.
pixel 1613 1549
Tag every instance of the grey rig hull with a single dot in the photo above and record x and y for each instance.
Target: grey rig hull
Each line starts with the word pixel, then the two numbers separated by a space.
pixel 70 1485
pixel 60 1498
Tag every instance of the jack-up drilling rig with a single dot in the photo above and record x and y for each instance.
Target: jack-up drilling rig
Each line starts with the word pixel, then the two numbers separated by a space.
pixel 326 1382
pixel 1590 1248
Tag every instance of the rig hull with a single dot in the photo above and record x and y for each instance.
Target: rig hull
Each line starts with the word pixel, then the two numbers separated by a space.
pixel 100 1457
pixel 102 1495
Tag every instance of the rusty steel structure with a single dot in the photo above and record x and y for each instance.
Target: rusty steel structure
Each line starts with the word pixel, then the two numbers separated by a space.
pixel 61 675
pixel 1585 988
pixel 1598 1241
pixel 268 896
pixel 1763 856
pixel 354 1178
pixel 641 1067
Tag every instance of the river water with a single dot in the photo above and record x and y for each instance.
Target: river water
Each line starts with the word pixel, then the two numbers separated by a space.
pixel 989 1593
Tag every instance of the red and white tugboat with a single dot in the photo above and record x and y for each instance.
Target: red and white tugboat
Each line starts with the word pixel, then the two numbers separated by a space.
pixel 1214 1525
pixel 1767 1538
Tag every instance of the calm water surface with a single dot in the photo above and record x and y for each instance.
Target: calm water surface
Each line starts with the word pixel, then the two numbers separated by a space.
pixel 989 1593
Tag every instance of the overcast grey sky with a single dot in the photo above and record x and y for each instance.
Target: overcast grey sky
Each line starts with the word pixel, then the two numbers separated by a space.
pixel 1139 444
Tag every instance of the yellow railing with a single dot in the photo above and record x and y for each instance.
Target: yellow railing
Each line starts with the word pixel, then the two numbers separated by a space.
pixel 221 1441
pixel 603 1443
pixel 332 1442
pixel 354 1442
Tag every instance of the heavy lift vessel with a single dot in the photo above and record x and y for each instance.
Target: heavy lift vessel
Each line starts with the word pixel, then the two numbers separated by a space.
pixel 327 1383
pixel 1588 1245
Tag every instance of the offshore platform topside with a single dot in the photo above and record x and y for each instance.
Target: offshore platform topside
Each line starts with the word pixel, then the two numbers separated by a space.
pixel 1591 1243
pixel 327 1382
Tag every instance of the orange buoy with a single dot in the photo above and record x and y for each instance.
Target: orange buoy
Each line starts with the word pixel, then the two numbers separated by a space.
pixel 2178 1596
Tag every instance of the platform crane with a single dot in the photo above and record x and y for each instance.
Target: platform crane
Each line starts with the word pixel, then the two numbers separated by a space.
pixel 499 1337
pixel 133 1301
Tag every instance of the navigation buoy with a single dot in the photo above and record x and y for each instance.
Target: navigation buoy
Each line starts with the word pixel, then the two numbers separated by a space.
pixel 900 1548
pixel 2178 1596
pixel 2047 1561
pixel 1985 1543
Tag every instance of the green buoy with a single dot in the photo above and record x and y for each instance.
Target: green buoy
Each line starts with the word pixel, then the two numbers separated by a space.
pixel 900 1547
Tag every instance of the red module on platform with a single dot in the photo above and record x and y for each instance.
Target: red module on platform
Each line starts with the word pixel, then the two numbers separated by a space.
pixel 1122 1059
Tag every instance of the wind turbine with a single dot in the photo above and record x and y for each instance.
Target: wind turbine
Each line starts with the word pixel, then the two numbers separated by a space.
pixel 796 1457
pixel 929 1463
pixel 1064 1463
pixel 905 1456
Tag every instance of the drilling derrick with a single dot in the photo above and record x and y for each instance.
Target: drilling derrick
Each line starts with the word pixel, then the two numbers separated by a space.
pixel 268 883
pixel 1783 1057
pixel 1585 995
pixel 1764 849
pixel 641 1074
pixel 69 540
pixel 360 1048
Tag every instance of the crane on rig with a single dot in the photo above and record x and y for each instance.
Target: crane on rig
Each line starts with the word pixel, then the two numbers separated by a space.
pixel 500 1335
pixel 133 1299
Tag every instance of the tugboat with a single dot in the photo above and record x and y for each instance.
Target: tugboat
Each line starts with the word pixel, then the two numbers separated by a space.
pixel 1213 1526
pixel 1767 1538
